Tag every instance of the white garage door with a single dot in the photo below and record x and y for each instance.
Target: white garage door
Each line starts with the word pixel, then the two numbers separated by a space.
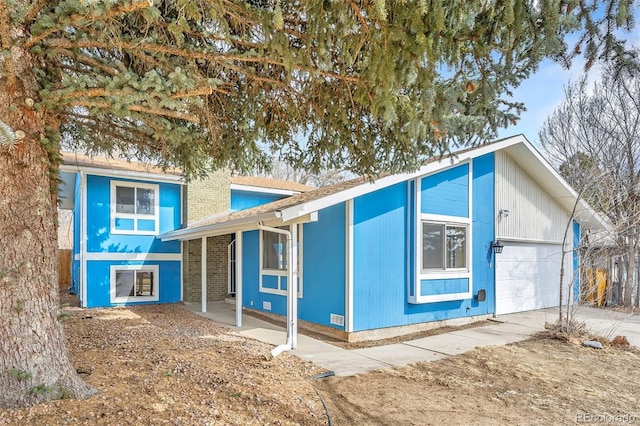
pixel 528 276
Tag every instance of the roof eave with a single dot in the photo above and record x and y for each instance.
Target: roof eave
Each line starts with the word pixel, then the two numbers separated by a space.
pixel 228 227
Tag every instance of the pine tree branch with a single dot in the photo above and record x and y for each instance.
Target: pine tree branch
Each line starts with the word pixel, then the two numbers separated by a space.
pixel 139 108
pixel 5 44
pixel 78 56
pixel 75 19
pixel 97 92
pixel 36 7
pixel 189 54
pixel 358 13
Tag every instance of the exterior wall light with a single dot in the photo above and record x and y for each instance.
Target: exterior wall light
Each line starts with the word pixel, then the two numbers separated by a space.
pixel 504 212
pixel 497 246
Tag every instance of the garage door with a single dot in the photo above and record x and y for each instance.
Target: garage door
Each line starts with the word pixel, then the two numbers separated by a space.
pixel 528 275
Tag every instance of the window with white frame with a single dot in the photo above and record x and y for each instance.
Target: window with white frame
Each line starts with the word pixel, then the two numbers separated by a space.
pixel 274 251
pixel 134 283
pixel 273 261
pixel 134 208
pixel 444 246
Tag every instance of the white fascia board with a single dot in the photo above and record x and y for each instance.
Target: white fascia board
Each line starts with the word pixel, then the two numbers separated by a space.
pixel 242 224
pixel 125 174
pixel 263 190
pixel 366 188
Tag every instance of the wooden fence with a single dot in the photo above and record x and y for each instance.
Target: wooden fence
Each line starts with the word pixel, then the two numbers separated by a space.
pixel 64 266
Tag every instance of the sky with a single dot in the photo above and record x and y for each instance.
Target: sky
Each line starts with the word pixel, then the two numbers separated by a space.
pixel 543 92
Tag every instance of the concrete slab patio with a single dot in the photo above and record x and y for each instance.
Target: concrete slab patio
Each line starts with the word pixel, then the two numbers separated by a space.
pixel 504 330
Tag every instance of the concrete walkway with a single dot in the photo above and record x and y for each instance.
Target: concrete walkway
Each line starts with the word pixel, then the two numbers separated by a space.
pixel 504 329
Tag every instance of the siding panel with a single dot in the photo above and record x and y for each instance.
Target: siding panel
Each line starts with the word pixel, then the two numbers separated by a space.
pixel 447 192
pixel 534 214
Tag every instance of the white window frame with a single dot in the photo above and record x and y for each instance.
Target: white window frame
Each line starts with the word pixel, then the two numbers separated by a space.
pixel 414 234
pixel 428 273
pixel 281 274
pixel 154 269
pixel 135 216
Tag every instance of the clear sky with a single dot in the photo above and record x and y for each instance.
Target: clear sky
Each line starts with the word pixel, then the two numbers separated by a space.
pixel 541 94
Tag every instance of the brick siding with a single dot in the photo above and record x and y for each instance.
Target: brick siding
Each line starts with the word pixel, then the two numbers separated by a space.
pixel 205 198
pixel 217 269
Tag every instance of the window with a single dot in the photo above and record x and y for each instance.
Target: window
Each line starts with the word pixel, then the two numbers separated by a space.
pixel 274 251
pixel 134 284
pixel 134 208
pixel 444 246
pixel 273 261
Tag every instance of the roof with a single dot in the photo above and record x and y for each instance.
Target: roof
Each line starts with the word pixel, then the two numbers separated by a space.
pixel 83 161
pixel 304 205
pixel 269 183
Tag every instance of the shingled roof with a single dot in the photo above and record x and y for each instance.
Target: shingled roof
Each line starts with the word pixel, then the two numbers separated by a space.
pixel 269 183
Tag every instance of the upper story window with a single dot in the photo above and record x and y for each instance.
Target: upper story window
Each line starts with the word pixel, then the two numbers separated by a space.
pixel 444 246
pixel 134 208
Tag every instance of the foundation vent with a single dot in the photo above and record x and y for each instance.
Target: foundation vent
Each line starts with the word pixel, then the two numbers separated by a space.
pixel 337 319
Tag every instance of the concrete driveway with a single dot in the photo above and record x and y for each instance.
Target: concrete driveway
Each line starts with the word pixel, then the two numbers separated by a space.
pixel 603 322
pixel 504 329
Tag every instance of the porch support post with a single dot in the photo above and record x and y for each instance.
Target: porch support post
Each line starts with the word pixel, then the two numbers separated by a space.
pixel 238 278
pixel 293 265
pixel 203 264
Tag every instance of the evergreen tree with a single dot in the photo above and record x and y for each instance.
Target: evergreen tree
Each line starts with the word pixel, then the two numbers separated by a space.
pixel 374 86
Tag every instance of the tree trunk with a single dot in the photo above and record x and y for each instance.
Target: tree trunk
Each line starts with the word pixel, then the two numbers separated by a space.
pixel 34 361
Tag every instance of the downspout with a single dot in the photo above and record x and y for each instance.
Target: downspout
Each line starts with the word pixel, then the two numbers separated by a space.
pixel 291 291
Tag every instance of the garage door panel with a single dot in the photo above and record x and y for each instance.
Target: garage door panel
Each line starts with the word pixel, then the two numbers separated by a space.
pixel 527 276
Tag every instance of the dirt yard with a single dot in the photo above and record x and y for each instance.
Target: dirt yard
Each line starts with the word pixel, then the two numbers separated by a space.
pixel 163 365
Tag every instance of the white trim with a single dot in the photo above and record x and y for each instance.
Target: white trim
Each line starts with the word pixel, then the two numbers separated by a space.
pixel 261 189
pixel 443 297
pixel 155 269
pixel 349 266
pixel 527 240
pixel 428 217
pixel 248 223
pixel 83 239
pixel 238 279
pixel 134 216
pixel 123 174
pixel 281 273
pixel 182 243
pixel 203 276
pixel 135 257
pixel 76 256
pixel 442 274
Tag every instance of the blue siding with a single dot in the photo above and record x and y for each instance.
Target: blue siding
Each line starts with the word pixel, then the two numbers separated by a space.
pixel 99 276
pixel 251 295
pixel 576 261
pixel 241 200
pixel 433 287
pixel 381 252
pixel 379 258
pixel 483 232
pixel 100 240
pixel 447 192
pixel 324 267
